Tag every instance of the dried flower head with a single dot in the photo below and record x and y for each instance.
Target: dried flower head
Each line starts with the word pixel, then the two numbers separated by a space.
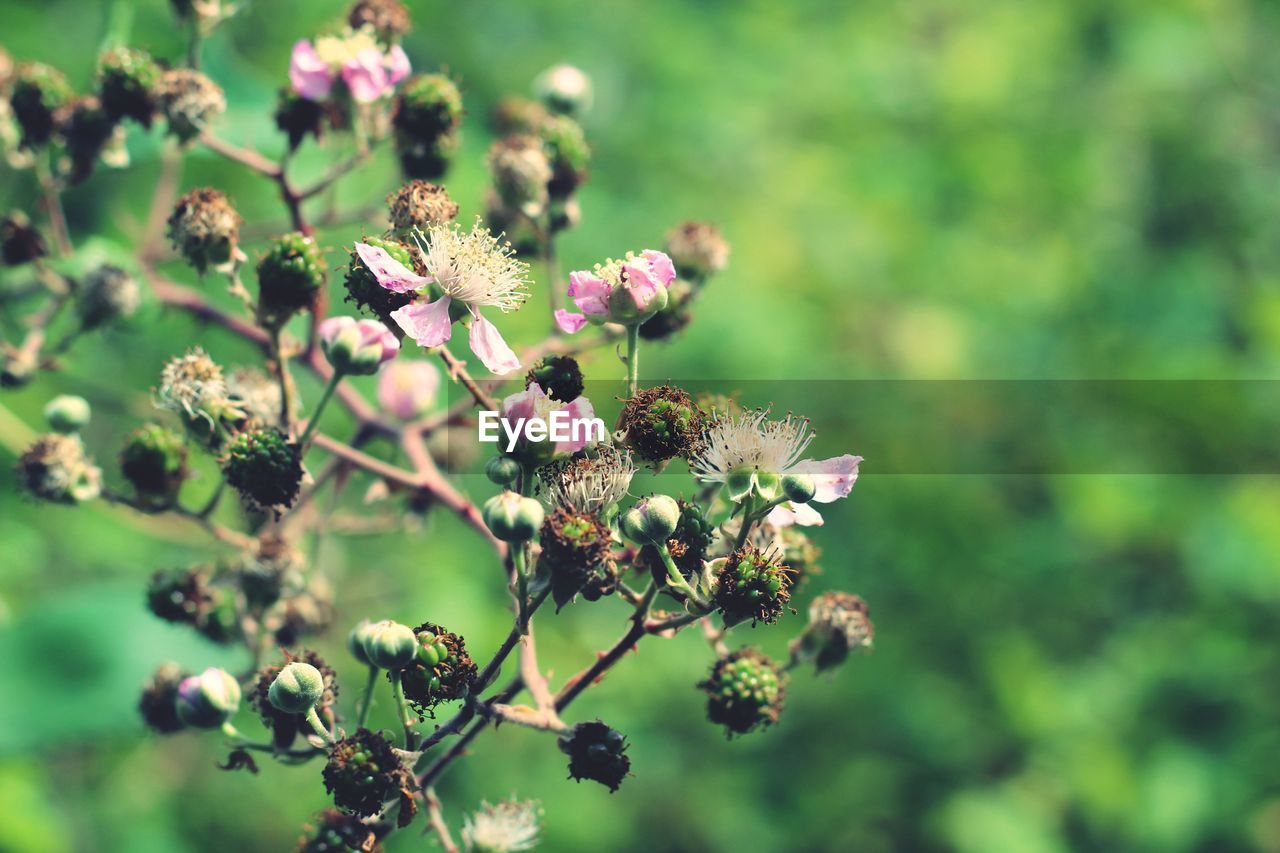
pixel 154 461
pixel 256 394
pixel 419 205
pixel 298 117
pixel 838 624
pixel 189 101
pixel 365 771
pixel 662 423
pixel 388 18
pixel 698 249
pixel 508 827
pixel 157 703
pixel 574 547
pixel 205 229
pixel 107 293
pixel 745 691
pixel 521 172
pixel 56 468
pixel 593 483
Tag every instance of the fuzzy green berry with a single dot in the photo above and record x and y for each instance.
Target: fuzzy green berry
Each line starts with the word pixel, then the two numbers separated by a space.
pixel 651 521
pixel 596 752
pixel 502 471
pixel 208 700
pixel 442 670
pixel 127 83
pixel 512 517
pixel 389 645
pixel 662 423
pixel 205 229
pixel 363 288
pixel 37 91
pixel 426 116
pixel 745 691
pixel 364 771
pixel 67 413
pixel 264 466
pixel 559 376
pixel 154 461
pixel 290 275
pixel 296 688
pixel 752 584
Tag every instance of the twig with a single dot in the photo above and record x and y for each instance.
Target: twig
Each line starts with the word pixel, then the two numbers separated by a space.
pixel 435 817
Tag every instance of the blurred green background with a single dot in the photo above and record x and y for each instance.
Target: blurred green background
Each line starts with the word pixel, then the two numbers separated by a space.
pixel 925 189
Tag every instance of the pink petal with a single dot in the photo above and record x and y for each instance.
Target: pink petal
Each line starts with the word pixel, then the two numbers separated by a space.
pixel 397 62
pixel 569 322
pixel 787 514
pixel 389 272
pixel 374 333
pixel 661 266
pixel 309 76
pixel 642 286
pixel 589 292
pixel 522 404
pixel 834 477
pixel 427 323
pixel 365 76
pixel 332 327
pixel 487 342
pixel 579 410
pixel 407 388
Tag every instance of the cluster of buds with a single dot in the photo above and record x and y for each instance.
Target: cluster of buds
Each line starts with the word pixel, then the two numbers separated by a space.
pixel 426 117
pixel 744 691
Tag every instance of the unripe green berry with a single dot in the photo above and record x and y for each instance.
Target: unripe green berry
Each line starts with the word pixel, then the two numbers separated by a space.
pixel 264 466
pixel 67 413
pixel 651 521
pixel 297 688
pixel 799 488
pixel 744 691
pixel 290 275
pixel 502 471
pixel 390 645
pixel 356 640
pixel 512 517
pixel 425 117
pixel 208 700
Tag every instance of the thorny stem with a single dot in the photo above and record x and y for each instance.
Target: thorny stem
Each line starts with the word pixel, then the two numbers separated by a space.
pixel 588 676
pixel 435 817
pixel 402 710
pixel 282 375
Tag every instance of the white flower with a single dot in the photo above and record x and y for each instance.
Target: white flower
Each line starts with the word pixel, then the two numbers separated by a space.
pixel 508 826
pixel 753 444
pixel 591 483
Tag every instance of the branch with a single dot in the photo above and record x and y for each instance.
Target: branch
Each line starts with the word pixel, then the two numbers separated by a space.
pixel 435 817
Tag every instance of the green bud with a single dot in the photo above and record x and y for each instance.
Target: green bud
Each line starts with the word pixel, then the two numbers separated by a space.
pixel 208 700
pixel 623 308
pixel 356 640
pixel 743 482
pixel 651 521
pixel 390 645
pixel 799 488
pixel 502 471
pixel 67 413
pixel 512 517
pixel 297 688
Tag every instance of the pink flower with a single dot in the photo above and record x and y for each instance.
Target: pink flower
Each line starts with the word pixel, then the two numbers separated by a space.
pixel 534 404
pixel 357 346
pixel 471 268
pixel 311 77
pixel 407 388
pixel 398 66
pixel 644 279
pixel 366 76
pixel 834 479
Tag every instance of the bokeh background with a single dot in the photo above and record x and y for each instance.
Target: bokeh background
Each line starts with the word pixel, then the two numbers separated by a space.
pixel 930 189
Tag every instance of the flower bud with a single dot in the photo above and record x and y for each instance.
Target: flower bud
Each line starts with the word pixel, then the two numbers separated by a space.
pixel 575 545
pixel 651 521
pixel 20 242
pixel 564 89
pixel 838 624
pixel 502 471
pixel 67 413
pixel 264 466
pixel 662 423
pixel 158 703
pixel 290 274
pixel 357 347
pixel 189 101
pixel 356 641
pixel 687 545
pixel 407 388
pixel 57 469
pixel 697 249
pixel 297 688
pixel 752 584
pixel 442 670
pixel 85 129
pixel 623 308
pixel 745 691
pixel 205 229
pixel 748 480
pixel 208 700
pixel 127 82
pixel 521 173
pixel 364 771
pixel 363 288
pixel 108 293
pixel 799 488
pixel 388 18
pixel 512 517
pixel 389 645
pixel 36 93
pixel 298 117
pixel 516 114
pixel 596 752
pixel 419 205
pixel 425 117
pixel 154 461
pixel 559 376
pixel 567 150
